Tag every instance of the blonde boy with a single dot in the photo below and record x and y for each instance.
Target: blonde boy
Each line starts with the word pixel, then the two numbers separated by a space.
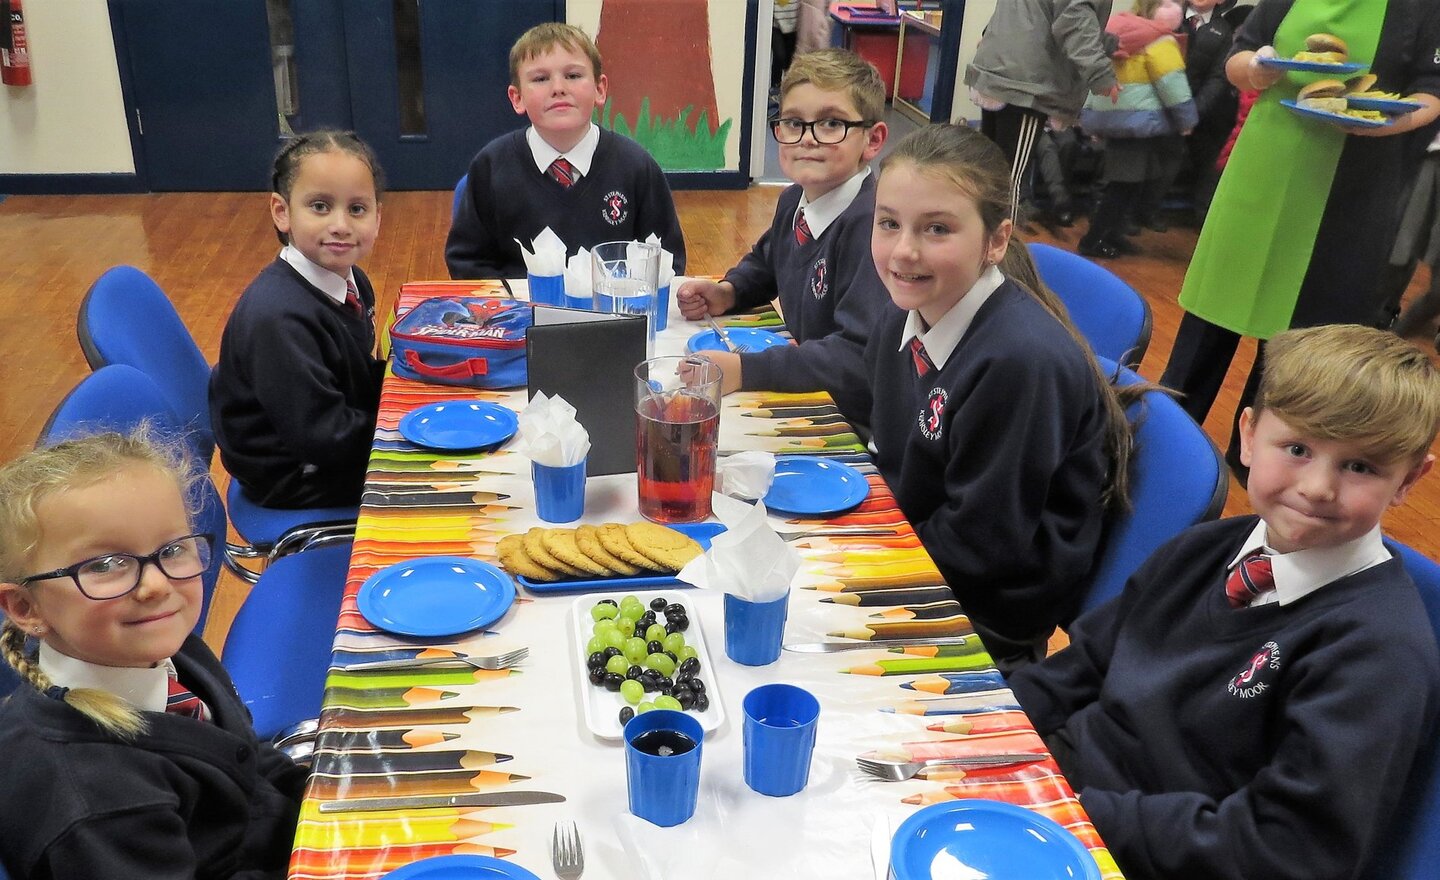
pixel 586 183
pixel 816 255
pixel 1252 704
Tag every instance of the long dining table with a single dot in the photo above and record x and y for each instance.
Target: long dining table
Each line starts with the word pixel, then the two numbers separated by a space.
pixel 441 730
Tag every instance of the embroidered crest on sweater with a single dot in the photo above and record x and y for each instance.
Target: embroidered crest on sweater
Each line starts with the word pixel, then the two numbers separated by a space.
pixel 932 416
pixel 1254 679
pixel 819 279
pixel 616 209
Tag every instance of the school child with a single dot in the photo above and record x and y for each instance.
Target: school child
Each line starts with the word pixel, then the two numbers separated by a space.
pixel 815 257
pixel 1417 240
pixel 128 754
pixel 1141 129
pixel 294 396
pixel 587 184
pixel 1252 704
pixel 992 425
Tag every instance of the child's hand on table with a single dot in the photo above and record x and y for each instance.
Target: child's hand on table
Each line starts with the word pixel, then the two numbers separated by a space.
pixel 699 297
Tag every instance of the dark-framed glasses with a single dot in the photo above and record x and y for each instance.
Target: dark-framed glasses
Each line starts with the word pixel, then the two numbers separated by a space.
pixel 116 574
pixel 789 130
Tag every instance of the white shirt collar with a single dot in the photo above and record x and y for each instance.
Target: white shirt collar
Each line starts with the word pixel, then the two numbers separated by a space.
pixel 323 279
pixel 825 210
pixel 941 340
pixel 145 689
pixel 1204 17
pixel 1302 572
pixel 582 155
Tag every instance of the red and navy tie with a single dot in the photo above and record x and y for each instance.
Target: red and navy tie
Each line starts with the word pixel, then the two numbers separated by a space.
pixel 1249 579
pixel 562 172
pixel 181 702
pixel 352 299
pixel 802 229
pixel 923 365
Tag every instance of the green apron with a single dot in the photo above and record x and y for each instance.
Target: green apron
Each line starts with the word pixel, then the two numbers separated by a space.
pixel 1255 247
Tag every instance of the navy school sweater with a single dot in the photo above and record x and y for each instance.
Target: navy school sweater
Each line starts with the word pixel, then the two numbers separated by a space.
pixel 998 460
pixel 623 198
pixel 294 396
pixel 832 299
pixel 1212 742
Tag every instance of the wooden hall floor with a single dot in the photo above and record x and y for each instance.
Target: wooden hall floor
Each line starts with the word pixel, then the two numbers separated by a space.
pixel 203 248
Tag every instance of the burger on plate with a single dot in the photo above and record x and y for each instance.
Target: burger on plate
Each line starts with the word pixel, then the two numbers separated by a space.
pixel 1325 94
pixel 1324 49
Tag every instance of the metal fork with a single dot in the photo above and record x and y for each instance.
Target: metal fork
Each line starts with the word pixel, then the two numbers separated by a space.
pixel 725 337
pixel 566 851
pixel 896 771
pixel 493 661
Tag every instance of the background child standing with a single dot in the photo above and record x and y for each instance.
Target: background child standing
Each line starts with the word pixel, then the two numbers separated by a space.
pixel 295 394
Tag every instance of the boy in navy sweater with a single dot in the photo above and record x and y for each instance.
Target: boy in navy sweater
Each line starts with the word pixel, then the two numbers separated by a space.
pixel 1252 704
pixel 587 184
pixel 815 257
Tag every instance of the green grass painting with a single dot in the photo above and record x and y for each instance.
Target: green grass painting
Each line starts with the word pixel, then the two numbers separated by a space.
pixel 675 143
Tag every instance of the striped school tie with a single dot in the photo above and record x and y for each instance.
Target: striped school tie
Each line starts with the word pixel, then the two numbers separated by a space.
pixel 802 229
pixel 181 702
pixel 352 299
pixel 562 172
pixel 923 365
pixel 1249 579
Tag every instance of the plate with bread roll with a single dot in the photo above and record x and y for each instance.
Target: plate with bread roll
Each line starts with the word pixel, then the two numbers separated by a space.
pixel 1323 53
pixel 1327 100
pixel 603 556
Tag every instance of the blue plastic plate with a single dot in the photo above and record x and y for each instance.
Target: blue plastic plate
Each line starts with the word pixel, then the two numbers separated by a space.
pixel 701 532
pixel 807 485
pixel 1314 66
pixel 1392 106
pixel 454 425
pixel 747 338
pixel 978 838
pixel 436 596
pixel 460 867
pixel 1334 118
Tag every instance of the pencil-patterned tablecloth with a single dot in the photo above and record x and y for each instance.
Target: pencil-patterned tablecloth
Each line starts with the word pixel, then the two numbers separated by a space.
pixel 447 731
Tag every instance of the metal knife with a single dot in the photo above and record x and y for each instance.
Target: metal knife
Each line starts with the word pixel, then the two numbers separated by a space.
pixel 721 332
pixel 832 647
pixel 492 799
pixel 880 834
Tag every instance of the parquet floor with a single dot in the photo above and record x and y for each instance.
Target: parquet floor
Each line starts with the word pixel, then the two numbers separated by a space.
pixel 203 248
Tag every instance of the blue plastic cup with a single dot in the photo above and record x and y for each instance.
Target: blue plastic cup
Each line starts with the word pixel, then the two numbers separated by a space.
pixel 780 722
pixel 663 787
pixel 587 303
pixel 755 630
pixel 662 308
pixel 559 492
pixel 547 290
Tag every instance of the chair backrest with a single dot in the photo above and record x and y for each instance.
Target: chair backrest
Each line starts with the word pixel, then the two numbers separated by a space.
pixel 1177 479
pixel 459 194
pixel 118 398
pixel 127 319
pixel 1109 313
pixel 1412 851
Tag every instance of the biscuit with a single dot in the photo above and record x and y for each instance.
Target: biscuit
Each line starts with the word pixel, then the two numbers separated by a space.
pixel 535 549
pixel 561 544
pixel 587 538
pixel 511 551
pixel 612 538
pixel 663 546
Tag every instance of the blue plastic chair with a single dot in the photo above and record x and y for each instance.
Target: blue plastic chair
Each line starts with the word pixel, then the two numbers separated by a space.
pixel 127 319
pixel 271 533
pixel 459 194
pixel 119 398
pixel 278 651
pixel 1109 313
pixel 1177 479
pixel 1412 850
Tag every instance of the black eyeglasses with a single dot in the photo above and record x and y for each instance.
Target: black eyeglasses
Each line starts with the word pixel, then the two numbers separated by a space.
pixel 117 574
pixel 790 130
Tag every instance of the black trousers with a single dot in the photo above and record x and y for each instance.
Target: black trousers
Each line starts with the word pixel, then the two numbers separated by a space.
pixel 1015 129
pixel 1198 363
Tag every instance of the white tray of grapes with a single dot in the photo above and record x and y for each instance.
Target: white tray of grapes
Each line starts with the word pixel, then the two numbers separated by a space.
pixel 638 651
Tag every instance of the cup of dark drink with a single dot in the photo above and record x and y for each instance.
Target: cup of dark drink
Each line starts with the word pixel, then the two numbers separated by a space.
pixel 662 765
pixel 677 429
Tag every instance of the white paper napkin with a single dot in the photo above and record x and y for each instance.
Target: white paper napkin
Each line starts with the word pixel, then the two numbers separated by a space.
pixel 550 433
pixel 545 258
pixel 749 560
pixel 667 261
pixel 746 474
pixel 577 276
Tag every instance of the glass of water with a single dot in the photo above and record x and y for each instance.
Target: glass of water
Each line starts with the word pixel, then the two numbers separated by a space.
pixel 625 276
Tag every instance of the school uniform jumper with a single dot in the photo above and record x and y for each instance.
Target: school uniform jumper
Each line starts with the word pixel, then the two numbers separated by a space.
pixel 1270 741
pixel 295 394
pixel 998 460
pixel 832 299
pixel 624 197
pixel 186 799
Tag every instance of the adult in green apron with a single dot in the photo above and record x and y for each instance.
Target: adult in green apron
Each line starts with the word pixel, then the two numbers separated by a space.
pixel 1302 221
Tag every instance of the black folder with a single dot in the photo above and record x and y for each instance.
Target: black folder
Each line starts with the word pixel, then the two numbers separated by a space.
pixel 589 358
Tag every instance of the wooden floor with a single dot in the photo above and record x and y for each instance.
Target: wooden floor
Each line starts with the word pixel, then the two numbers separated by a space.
pixel 203 248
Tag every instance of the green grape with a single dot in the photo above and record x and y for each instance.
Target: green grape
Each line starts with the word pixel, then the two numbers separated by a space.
pixel 612 638
pixel 634 650
pixel 603 626
pixel 643 707
pixel 674 642
pixel 632 601
pixel 665 701
pixel 625 626
pixel 631 690
pixel 686 653
pixel 595 644
pixel 661 664
pixel 655 633
pixel 603 612
pixel 617 664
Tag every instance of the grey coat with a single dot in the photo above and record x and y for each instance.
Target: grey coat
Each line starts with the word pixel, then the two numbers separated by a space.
pixel 1044 54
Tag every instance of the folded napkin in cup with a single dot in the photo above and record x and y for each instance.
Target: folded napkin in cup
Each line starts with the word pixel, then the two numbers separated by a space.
pixel 577 277
pixel 667 261
pixel 550 433
pixel 545 258
pixel 745 475
pixel 748 560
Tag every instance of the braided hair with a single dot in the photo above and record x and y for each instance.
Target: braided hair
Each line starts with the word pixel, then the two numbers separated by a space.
pixel 327 140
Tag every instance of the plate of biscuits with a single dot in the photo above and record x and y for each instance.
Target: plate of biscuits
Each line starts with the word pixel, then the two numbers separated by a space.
pixel 607 556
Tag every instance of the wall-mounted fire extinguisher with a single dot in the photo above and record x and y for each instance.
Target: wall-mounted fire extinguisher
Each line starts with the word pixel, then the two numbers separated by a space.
pixel 14 50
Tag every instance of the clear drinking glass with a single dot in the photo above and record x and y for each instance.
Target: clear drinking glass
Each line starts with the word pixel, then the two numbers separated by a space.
pixel 625 276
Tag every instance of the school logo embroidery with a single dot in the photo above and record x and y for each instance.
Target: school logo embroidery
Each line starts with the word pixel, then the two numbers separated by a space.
pixel 617 208
pixel 819 279
pixel 931 416
pixel 1252 680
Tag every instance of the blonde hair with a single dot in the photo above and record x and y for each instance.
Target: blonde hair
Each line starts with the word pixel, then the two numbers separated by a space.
pixel 543 37
pixel 977 167
pixel 1147 8
pixel 839 70
pixel 29 480
pixel 1353 384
